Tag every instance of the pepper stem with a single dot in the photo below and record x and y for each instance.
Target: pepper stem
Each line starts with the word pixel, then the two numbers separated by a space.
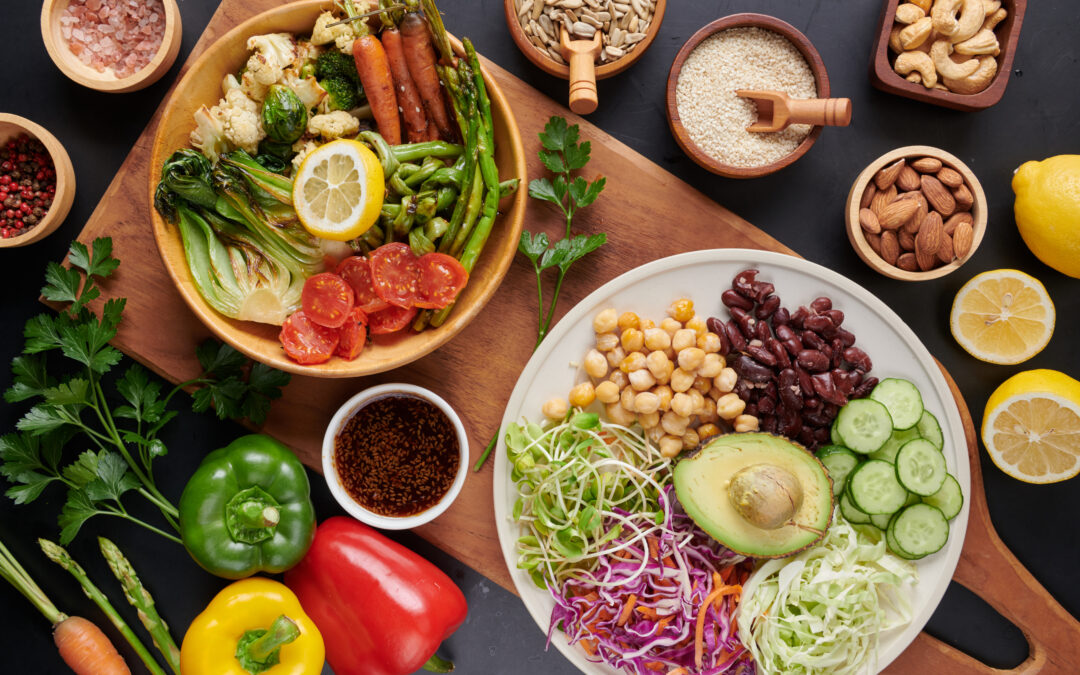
pixel 259 650
pixel 437 664
pixel 252 515
pixel 255 514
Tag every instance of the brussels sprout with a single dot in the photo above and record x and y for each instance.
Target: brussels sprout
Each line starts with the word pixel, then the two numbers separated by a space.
pixel 284 116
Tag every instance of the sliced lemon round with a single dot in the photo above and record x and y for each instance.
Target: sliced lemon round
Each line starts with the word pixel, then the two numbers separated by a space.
pixel 338 191
pixel 1002 316
pixel 1031 427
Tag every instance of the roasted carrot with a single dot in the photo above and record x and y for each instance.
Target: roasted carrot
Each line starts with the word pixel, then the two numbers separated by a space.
pixel 86 649
pixel 375 75
pixel 408 98
pixel 420 55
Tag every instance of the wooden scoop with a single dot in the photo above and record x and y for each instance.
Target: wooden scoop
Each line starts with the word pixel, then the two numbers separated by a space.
pixel 581 55
pixel 776 110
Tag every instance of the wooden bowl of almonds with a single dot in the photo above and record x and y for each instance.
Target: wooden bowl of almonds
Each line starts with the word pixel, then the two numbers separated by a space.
pixel 916 213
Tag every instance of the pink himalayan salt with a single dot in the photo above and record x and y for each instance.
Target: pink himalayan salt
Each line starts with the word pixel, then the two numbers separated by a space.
pixel 123 35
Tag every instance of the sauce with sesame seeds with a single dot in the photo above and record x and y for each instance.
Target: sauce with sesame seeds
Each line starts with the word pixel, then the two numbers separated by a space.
pixel 397 455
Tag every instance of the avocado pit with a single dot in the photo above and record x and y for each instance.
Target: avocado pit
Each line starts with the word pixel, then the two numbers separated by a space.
pixel 766 495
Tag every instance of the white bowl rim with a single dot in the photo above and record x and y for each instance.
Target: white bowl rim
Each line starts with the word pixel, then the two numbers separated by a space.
pixel 346 500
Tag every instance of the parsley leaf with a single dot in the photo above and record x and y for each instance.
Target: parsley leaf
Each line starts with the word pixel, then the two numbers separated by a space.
pixel 533 246
pixel 78 509
pixel 100 263
pixel 29 378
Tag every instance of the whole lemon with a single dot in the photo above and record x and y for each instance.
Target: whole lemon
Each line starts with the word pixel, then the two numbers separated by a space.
pixel 1047 210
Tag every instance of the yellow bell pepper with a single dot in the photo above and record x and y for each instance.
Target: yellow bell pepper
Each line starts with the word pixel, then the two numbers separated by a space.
pixel 253 626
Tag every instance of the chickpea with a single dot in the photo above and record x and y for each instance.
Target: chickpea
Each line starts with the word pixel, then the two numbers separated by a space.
pixel 708 411
pixel 670 325
pixel 681 380
pixel 707 431
pixel 746 423
pixel 715 393
pixel 654 433
pixel 711 366
pixel 606 321
pixel 674 424
pixel 682 405
pixel 657 362
pixel 626 399
pixel 616 356
pixel 619 415
pixel 555 408
pixel 646 402
pixel 690 439
pixel 607 392
pixel 596 366
pixel 682 339
pixel 726 380
pixel 642 380
pixel 730 406
pixel 646 324
pixel 664 393
pixel 682 309
pixel 629 320
pixel 657 339
pixel 582 395
pixel 670 446
pixel 709 343
pixel 664 376
pixel 632 339
pixel 697 400
pixel 691 358
pixel 605 342
pixel 619 379
pixel 649 420
pixel 697 324
pixel 702 384
pixel 633 361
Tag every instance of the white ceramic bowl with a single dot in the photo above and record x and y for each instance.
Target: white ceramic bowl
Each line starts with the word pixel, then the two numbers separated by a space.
pixel 333 480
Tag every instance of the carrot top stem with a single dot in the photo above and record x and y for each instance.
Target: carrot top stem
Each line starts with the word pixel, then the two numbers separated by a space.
pixel 17 576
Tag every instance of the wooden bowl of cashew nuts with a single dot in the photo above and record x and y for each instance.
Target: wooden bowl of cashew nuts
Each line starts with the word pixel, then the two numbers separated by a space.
pixel 953 53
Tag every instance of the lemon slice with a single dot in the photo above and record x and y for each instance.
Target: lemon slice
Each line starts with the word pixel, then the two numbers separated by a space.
pixel 1031 427
pixel 338 191
pixel 1002 316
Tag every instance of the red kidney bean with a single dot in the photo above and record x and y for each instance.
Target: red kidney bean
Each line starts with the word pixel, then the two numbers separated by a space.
pixel 864 388
pixel 828 352
pixel 805 383
pixel 830 332
pixel 735 337
pixel 858 359
pixel 768 424
pixel 751 409
pixel 815 418
pixel 806 437
pixel 716 326
pixel 761 355
pixel 813 360
pixel 836 316
pixel 744 283
pixel 812 403
pixel 781 317
pixel 777 349
pixel 789 421
pixel 856 377
pixel 845 336
pixel 761 331
pixel 837 352
pixel 821 435
pixel 824 387
pixel 762 290
pixel 767 308
pixel 811 339
pixel 788 389
pixel 766 405
pixel 843 381
pixel 822 304
pixel 732 299
pixel 817 322
pixel 751 370
pixel 799 316
pixel 784 332
pixel 744 321
pixel 830 410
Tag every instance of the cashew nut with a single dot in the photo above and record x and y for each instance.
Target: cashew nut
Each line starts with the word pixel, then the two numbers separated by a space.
pixel 939 54
pixel 894 39
pixel 984 42
pixel 914 77
pixel 971 20
pixel 971 16
pixel 909 13
pixel 944 15
pixel 924 5
pixel 908 62
pixel 913 36
pixel 994 19
pixel 991 6
pixel 977 81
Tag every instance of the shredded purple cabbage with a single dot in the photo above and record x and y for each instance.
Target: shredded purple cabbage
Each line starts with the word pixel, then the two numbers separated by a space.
pixel 675 593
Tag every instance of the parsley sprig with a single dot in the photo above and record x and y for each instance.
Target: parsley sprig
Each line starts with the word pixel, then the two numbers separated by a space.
pixel 70 410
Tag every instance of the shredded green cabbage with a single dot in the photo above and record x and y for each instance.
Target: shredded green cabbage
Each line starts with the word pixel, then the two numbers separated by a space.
pixel 822 610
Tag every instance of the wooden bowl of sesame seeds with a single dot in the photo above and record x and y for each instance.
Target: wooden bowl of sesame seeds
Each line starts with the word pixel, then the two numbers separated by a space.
pixel 777 150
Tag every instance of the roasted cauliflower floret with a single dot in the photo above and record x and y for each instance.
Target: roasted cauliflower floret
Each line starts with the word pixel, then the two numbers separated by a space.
pixel 302 148
pixel 240 118
pixel 209 134
pixel 337 124
pixel 306 89
pixel 323 33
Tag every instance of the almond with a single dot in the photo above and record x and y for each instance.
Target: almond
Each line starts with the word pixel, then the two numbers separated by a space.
pixel 945 251
pixel 908 179
pixel 897 213
pixel 962 239
pixel 964 198
pixel 906 239
pixel 938 196
pixel 930 232
pixel 926 260
pixel 867 196
pixel 882 199
pixel 912 225
pixel 890 247
pixel 950 177
pixel 907 263
pixel 955 219
pixel 927 165
pixel 869 221
pixel 875 242
pixel 887 176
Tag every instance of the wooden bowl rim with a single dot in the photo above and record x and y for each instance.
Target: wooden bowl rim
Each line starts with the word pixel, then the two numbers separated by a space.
pixel 604 71
pixel 885 78
pixel 744 19
pixel 82 74
pixel 223 327
pixel 65 182
pixel 855 232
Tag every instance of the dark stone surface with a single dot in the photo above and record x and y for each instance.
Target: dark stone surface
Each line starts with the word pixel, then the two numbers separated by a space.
pixel 801 206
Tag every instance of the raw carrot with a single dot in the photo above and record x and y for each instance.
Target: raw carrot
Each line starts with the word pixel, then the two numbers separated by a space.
pixel 678 671
pixel 86 649
pixel 627 610
pixel 420 55
pixel 408 98
pixel 699 631
pixel 374 70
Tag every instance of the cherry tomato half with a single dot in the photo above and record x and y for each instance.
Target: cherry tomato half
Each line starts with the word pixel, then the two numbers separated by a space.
pixel 391 320
pixel 327 299
pixel 305 341
pixel 441 279
pixel 395 274
pixel 353 334
pixel 356 271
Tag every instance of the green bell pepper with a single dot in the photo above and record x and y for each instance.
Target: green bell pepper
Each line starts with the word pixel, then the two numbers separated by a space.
pixel 247 509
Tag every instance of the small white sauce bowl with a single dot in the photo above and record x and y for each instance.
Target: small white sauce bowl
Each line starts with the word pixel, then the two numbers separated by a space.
pixel 333 480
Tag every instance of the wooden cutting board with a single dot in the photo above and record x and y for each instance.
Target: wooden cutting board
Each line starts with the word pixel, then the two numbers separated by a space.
pixel 649 214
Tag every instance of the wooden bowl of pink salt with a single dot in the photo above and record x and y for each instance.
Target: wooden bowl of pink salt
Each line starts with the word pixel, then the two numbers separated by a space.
pixel 112 45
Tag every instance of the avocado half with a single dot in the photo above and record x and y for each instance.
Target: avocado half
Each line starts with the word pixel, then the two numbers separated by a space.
pixel 758 494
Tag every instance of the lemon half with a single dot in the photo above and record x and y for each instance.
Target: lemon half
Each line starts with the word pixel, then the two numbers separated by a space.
pixel 1002 316
pixel 338 191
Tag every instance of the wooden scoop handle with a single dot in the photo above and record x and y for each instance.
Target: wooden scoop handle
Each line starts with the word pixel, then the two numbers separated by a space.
pixel 830 112
pixel 581 54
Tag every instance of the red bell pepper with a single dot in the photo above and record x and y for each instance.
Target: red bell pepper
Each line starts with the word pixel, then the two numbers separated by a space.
pixel 382 609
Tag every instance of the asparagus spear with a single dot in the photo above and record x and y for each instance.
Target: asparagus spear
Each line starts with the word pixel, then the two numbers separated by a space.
pixel 61 557
pixel 141 600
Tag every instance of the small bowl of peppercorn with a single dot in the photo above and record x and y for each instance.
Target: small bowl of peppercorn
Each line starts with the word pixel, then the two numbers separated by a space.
pixel 37 182
pixel 395 456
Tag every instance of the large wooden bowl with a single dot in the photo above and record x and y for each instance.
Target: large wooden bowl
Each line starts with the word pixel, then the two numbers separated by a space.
pixel 202 85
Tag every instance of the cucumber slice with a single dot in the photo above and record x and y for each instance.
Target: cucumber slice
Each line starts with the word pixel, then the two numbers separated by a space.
pixel 881 521
pixel 852 513
pixel 920 467
pixel 834 435
pixel 930 429
pixel 903 400
pixel 890 541
pixel 864 425
pixel 892 446
pixel 874 488
pixel 839 462
pixel 919 530
pixel 950 499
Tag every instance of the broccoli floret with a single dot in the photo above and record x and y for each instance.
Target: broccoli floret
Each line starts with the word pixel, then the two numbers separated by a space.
pixel 335 64
pixel 341 94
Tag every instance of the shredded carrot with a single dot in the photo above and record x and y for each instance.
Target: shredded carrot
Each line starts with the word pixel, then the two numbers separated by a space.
pixel 678 671
pixel 653 553
pixel 627 610
pixel 699 632
pixel 662 624
pixel 655 665
pixel 648 613
pixel 589 645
